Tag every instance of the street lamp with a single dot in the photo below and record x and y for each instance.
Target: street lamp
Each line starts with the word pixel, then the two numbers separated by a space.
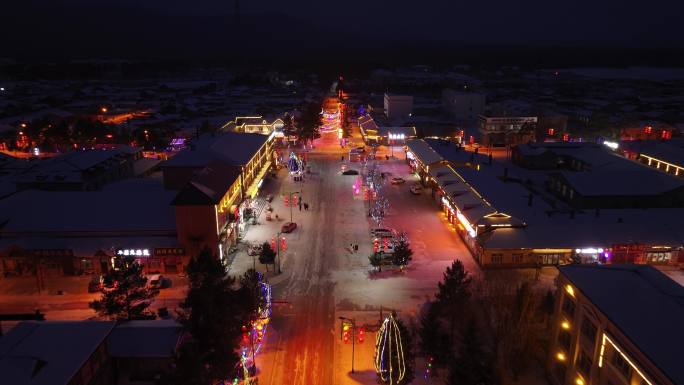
pixel 290 201
pixel 353 323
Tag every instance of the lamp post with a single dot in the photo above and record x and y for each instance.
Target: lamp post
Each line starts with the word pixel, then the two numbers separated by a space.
pixel 278 250
pixel 353 323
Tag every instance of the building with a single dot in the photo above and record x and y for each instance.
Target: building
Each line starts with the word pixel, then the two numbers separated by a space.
pixel 218 178
pixel 79 170
pixel 506 221
pixel 616 325
pixel 499 131
pixel 588 175
pixel 141 351
pixel 88 352
pixel 384 134
pixel 398 106
pixel 463 106
pixel 667 156
pixel 254 125
pixel 57 353
pixel 54 233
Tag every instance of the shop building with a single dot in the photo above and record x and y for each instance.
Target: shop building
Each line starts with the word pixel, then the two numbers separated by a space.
pixel 386 133
pixel 505 224
pixel 616 325
pixel 54 233
pixel 218 178
pixel 255 125
pixel 666 156
pixel 500 131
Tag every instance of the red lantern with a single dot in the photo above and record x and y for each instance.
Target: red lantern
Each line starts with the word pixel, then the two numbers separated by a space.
pixel 346 332
pixel 283 244
pixel 376 245
pixel 295 199
pixel 550 131
pixel 273 244
pixel 361 334
pixel 287 201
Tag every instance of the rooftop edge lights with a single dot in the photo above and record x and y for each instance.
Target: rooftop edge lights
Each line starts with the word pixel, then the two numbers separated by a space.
pixel 603 349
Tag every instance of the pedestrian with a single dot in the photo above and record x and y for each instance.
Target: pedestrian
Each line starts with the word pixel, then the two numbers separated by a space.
pixel 356 247
pixel 306 207
pixel 342 158
pixel 300 205
pixel 351 247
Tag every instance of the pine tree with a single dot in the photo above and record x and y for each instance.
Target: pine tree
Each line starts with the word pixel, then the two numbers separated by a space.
pixel 472 365
pixel 213 313
pixel 267 255
pixel 402 253
pixel 453 294
pixel 433 340
pixel 130 297
pixel 376 260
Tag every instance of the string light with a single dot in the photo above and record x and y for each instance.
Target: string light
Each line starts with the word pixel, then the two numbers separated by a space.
pixel 389 352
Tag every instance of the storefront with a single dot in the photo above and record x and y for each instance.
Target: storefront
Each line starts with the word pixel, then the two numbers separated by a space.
pixel 460 223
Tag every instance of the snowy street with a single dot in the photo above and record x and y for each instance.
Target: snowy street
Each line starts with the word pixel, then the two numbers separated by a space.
pixel 322 279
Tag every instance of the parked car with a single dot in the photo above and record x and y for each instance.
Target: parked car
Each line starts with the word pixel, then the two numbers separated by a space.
pixel 350 172
pixel 154 281
pixel 382 232
pixel 96 284
pixel 416 189
pixel 397 180
pixel 288 227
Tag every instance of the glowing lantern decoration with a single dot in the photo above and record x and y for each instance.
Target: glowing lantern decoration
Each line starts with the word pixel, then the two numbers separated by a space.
pixel 346 331
pixel 361 336
pixel 283 244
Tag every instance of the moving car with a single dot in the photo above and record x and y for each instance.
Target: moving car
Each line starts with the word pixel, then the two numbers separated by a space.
pixel 416 189
pixel 288 227
pixel 350 172
pixel 397 180
pixel 154 281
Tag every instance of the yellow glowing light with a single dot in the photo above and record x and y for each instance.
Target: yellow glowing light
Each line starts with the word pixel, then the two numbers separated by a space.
pixel 103 109
pixel 560 356
pixel 570 290
pixel 579 381
pixel 617 350
pixel 565 325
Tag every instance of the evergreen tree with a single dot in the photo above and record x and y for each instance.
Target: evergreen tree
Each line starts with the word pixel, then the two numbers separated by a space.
pixel 433 341
pixel 213 313
pixel 453 294
pixel 130 298
pixel 394 353
pixel 402 253
pixel 472 365
pixel 310 122
pixel 376 261
pixel 267 255
pixel 250 284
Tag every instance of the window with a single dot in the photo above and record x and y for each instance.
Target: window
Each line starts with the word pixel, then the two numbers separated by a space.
pixel 564 339
pixel 621 365
pixel 497 258
pixel 589 330
pixel 568 307
pixel 86 264
pixel 584 363
pixel 517 258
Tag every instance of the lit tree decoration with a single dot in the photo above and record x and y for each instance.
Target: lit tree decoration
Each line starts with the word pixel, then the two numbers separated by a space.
pixel 389 352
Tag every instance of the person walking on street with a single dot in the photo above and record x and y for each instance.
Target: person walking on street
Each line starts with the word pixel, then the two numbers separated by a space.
pixel 300 205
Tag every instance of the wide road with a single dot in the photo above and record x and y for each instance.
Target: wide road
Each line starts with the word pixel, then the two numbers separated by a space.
pixel 322 279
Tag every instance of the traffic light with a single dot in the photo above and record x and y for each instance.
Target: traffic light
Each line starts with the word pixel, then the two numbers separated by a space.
pixel 283 244
pixel 361 334
pixel 346 332
pixel 428 364
pixel 245 335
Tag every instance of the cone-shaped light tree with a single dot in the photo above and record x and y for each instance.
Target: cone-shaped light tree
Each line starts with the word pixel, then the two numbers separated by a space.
pixel 389 352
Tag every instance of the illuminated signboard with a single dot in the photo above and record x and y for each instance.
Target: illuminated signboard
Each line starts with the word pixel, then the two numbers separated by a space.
pixel 133 252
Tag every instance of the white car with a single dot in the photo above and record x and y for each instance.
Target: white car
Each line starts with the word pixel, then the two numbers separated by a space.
pixel 416 189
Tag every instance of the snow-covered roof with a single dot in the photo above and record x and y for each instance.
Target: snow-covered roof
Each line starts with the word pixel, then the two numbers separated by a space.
pixel 230 147
pixel 49 352
pixel 145 339
pixel 423 151
pixel 623 183
pixel 644 304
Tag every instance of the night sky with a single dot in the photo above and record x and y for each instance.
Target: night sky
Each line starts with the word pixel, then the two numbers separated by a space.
pixel 184 27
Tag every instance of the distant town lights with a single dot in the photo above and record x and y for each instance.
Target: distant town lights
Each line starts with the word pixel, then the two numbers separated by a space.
pixel 133 252
pixel 396 136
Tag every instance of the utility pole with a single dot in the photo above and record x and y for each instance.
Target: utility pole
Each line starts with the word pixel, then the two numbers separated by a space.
pixel 278 250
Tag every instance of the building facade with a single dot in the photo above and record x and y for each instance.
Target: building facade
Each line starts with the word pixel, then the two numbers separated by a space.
pixel 398 106
pixel 463 106
pixel 616 325
pixel 502 131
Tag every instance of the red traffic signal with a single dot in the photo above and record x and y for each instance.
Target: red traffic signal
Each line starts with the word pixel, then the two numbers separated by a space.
pixel 361 334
